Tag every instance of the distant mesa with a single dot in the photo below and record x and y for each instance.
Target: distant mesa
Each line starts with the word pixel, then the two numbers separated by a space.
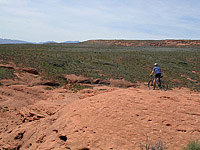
pixel 146 43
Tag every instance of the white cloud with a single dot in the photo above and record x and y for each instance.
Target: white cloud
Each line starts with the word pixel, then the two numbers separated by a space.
pixel 61 20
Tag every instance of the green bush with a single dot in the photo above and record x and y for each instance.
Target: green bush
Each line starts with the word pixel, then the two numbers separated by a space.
pixel 193 145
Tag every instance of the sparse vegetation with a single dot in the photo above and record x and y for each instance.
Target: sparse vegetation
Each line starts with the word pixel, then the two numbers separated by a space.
pixel 193 145
pixel 150 145
pixel 179 65
pixel 48 88
pixel 6 74
pixel 78 87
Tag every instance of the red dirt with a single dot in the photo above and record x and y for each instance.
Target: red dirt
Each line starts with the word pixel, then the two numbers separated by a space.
pixel 102 118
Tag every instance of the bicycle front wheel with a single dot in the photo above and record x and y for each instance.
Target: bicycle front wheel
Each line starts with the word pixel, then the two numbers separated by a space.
pixel 164 86
pixel 150 85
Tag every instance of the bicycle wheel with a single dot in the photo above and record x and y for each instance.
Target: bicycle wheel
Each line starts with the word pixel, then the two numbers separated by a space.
pixel 164 86
pixel 150 85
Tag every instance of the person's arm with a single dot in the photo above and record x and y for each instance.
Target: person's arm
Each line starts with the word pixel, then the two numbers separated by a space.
pixel 152 73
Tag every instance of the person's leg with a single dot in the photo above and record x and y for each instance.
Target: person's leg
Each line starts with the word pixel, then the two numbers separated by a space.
pixel 154 83
pixel 159 83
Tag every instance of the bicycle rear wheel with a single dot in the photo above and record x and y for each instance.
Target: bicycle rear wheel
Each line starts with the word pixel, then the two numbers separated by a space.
pixel 150 85
pixel 164 86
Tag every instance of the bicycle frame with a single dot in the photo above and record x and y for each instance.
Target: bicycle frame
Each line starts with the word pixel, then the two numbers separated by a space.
pixel 159 83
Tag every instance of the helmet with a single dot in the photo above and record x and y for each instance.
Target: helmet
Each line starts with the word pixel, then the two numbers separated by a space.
pixel 156 64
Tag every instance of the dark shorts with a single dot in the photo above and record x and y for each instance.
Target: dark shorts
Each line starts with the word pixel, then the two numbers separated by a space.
pixel 157 75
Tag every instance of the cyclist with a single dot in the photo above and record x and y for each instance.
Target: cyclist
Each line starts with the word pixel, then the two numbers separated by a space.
pixel 157 72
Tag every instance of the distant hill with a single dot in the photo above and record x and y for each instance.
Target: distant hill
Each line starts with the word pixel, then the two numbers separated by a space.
pixel 9 41
pixel 71 42
pixel 133 43
pixel 146 43
pixel 47 42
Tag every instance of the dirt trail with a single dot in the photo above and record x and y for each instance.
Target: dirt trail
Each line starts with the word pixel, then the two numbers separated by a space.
pixel 102 118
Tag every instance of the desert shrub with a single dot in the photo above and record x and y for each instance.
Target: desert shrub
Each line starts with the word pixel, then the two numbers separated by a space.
pixel 150 145
pixel 193 145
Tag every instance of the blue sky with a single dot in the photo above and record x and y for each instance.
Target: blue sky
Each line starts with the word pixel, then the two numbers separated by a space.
pixel 64 20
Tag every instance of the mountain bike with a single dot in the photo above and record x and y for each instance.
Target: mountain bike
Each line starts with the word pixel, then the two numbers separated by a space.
pixel 159 84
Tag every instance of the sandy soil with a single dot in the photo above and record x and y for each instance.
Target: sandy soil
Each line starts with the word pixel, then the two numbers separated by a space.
pixel 103 118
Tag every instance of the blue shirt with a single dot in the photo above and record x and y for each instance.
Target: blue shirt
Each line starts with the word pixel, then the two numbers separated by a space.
pixel 157 70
